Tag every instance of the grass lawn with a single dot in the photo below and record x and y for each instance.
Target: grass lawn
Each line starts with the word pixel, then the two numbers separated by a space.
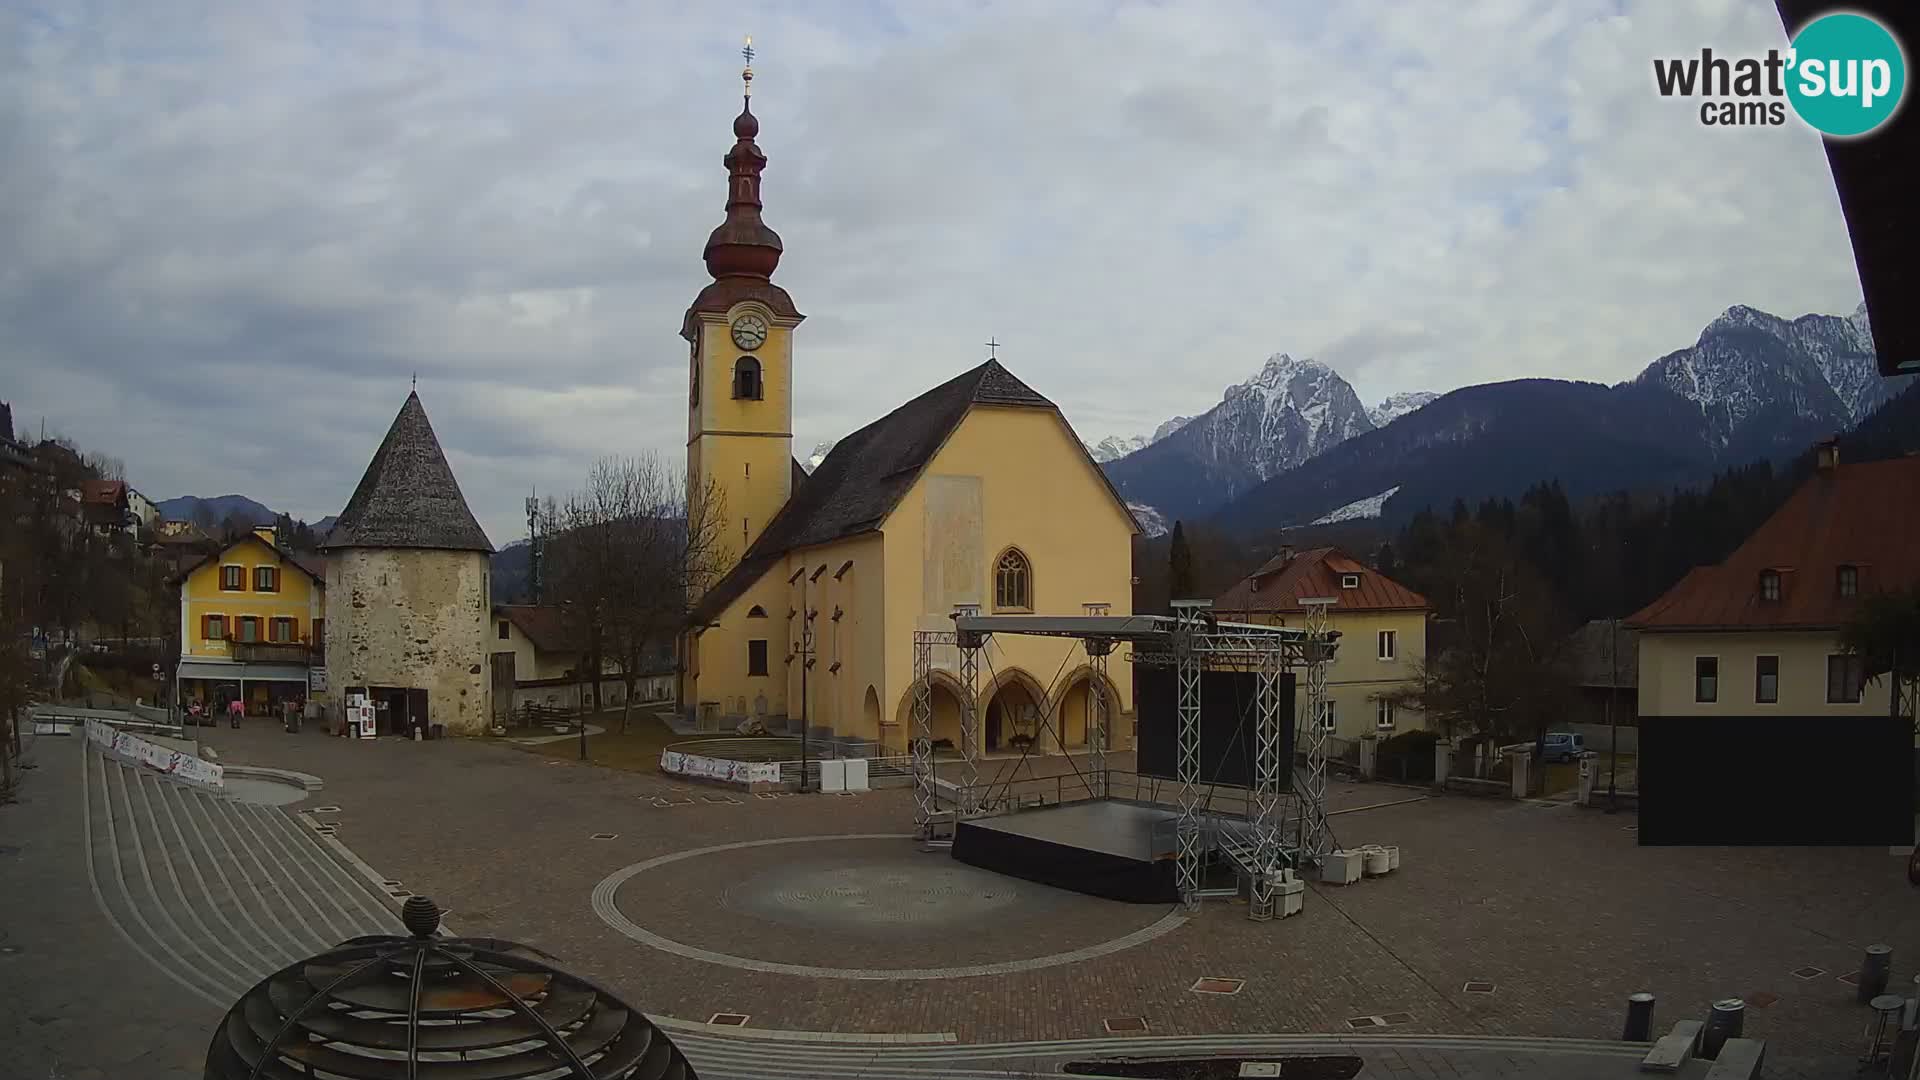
pixel 638 750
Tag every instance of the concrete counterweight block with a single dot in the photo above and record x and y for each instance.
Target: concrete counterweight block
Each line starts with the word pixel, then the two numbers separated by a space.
pixel 1373 860
pixel 1341 868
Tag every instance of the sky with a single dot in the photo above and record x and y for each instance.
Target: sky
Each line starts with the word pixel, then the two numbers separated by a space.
pixel 233 234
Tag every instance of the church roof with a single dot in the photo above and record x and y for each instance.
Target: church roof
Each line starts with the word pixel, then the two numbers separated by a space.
pixel 867 474
pixel 408 497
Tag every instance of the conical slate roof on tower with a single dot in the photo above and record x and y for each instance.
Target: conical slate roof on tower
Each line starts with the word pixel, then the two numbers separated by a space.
pixel 408 498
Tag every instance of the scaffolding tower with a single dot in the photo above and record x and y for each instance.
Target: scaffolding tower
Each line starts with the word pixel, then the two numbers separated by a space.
pixel 1285 826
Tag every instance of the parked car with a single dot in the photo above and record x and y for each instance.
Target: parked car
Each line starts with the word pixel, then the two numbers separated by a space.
pixel 1564 746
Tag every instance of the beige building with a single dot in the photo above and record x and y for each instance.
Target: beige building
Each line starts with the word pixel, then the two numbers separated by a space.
pixel 1382 626
pixel 407 587
pixel 536 659
pixel 975 494
pixel 1758 635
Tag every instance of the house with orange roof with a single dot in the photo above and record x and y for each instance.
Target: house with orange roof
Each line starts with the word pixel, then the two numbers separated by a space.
pixel 1758 634
pixel 1382 626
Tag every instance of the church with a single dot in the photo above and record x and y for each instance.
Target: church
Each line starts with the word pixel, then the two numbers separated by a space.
pixel 976 495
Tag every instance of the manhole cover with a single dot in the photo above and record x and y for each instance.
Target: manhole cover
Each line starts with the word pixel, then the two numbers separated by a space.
pixel 1398 1018
pixel 1125 1024
pixel 1851 978
pixel 1361 1022
pixel 729 1019
pixel 1808 972
pixel 1211 985
pixel 1761 999
pixel 604 836
pixel 1478 986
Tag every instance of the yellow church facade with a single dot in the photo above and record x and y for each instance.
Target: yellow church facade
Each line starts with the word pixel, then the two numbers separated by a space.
pixel 974 495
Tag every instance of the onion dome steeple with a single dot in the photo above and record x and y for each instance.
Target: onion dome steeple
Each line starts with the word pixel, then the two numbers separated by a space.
pixel 743 245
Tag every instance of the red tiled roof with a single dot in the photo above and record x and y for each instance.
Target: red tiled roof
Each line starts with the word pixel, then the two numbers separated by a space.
pixel 545 626
pixel 105 492
pixel 1280 584
pixel 1864 516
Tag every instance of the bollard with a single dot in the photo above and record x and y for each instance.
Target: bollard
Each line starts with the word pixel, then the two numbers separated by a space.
pixel 1726 1021
pixel 1874 969
pixel 1639 1018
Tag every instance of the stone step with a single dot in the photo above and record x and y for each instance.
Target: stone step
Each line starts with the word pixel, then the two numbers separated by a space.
pixel 1739 1059
pixel 1673 1050
pixel 284 913
pixel 365 911
pixel 177 899
pixel 124 886
pixel 214 895
pixel 247 895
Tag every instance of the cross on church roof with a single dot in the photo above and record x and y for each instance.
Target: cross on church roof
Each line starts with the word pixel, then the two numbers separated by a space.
pixel 993 349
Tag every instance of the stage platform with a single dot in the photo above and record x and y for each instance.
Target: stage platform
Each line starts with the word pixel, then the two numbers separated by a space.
pixel 1105 847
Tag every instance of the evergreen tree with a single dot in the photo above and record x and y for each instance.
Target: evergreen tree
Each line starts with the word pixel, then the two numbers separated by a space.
pixel 1179 565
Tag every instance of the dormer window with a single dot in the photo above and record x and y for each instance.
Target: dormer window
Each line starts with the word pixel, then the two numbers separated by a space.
pixel 1847 582
pixel 1349 581
pixel 1770 586
pixel 746 379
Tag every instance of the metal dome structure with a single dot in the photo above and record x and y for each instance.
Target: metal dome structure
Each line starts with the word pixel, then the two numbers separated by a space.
pixel 425 1007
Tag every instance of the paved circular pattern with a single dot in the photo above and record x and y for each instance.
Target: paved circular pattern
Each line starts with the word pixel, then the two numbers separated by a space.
pixel 885 898
pixel 810 895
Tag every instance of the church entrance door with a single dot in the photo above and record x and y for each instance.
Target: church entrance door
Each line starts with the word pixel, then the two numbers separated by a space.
pixel 995 724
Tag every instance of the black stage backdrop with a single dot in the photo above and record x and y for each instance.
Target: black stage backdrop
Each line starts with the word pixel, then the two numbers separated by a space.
pixel 1228 701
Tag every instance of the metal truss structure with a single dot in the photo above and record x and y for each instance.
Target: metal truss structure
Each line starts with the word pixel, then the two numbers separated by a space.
pixel 1191 641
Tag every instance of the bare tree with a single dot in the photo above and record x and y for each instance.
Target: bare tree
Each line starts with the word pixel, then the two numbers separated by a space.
pixel 627 556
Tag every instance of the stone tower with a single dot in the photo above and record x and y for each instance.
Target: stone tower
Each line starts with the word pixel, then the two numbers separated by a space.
pixel 407 585
pixel 740 367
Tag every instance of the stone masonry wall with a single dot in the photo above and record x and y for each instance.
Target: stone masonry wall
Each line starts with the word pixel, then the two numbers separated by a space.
pixel 413 618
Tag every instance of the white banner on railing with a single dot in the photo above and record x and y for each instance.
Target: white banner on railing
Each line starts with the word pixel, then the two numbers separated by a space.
pixel 706 768
pixel 172 762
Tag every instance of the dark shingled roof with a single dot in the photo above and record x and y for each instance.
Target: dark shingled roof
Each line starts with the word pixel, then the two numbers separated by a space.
pixel 408 498
pixel 867 473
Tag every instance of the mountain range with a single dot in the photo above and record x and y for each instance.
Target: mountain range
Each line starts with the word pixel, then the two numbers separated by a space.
pixel 1293 447
pixel 221 507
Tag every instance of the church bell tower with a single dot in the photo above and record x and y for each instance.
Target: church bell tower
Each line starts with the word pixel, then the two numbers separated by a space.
pixel 739 332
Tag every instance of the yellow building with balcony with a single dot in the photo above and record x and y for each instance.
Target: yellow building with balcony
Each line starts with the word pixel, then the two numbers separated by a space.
pixel 252 623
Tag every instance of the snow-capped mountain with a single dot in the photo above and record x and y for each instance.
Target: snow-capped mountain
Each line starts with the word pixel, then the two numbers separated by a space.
pixel 1753 387
pixel 1761 381
pixel 812 461
pixel 1399 405
pixel 1289 412
pixel 1115 447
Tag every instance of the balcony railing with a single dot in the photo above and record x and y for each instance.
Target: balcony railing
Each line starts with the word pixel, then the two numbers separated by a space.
pixel 270 652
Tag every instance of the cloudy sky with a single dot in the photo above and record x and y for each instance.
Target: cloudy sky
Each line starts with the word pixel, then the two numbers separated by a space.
pixel 233 232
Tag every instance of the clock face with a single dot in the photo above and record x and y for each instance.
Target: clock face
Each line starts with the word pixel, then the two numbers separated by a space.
pixel 749 332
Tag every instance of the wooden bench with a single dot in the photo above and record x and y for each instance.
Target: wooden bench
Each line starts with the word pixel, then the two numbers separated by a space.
pixel 1671 1052
pixel 1739 1059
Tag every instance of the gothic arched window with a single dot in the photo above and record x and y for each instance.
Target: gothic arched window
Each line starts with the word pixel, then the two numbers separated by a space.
pixel 746 379
pixel 1013 581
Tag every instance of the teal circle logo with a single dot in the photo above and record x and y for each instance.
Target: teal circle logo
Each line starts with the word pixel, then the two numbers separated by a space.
pixel 1847 74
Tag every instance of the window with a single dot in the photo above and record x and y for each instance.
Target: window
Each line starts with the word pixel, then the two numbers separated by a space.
pixel 1846 676
pixel 1766 680
pixel 1386 643
pixel 1706 678
pixel 1770 586
pixel 1383 715
pixel 266 579
pixel 249 627
pixel 1848 581
pixel 746 379
pixel 213 627
pixel 280 631
pixel 233 579
pixel 503 629
pixel 757 657
pixel 756 612
pixel 1349 581
pixel 1013 581
pixel 1329 716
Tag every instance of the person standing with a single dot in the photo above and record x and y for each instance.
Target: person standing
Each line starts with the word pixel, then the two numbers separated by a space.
pixel 235 710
